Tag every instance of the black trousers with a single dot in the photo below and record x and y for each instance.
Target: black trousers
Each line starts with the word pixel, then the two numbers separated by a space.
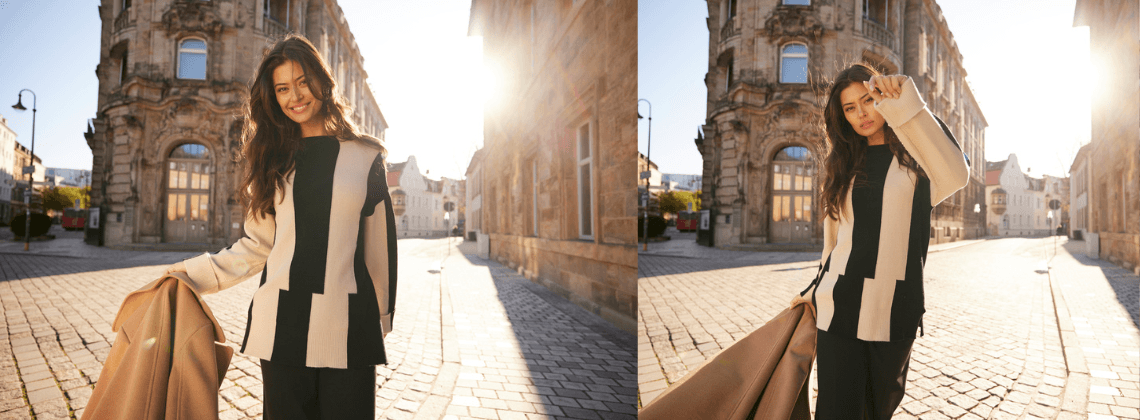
pixel 297 392
pixel 859 379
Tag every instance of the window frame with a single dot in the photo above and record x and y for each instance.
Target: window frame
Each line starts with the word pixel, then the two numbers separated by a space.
pixel 784 54
pixel 578 170
pixel 785 3
pixel 181 49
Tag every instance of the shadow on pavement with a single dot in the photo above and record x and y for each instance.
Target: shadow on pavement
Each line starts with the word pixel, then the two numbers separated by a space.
pixel 1123 282
pixel 658 265
pixel 568 350
pixel 15 266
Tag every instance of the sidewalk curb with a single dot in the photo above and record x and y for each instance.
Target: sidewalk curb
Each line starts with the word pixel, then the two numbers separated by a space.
pixel 1075 397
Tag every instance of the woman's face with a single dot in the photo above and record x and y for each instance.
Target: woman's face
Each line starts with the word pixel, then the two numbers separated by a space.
pixel 292 88
pixel 860 111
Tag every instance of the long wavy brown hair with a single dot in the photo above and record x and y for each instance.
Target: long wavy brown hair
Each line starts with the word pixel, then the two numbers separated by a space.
pixel 844 149
pixel 270 140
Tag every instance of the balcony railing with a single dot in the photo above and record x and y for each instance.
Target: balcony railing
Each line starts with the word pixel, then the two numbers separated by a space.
pixel 275 29
pixel 875 31
pixel 729 30
pixel 123 20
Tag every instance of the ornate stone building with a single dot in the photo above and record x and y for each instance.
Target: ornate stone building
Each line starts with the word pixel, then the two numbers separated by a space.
pixel 1112 180
pixel 769 63
pixel 173 76
pixel 559 199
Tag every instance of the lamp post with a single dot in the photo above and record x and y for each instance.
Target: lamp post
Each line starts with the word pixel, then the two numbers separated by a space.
pixel 648 144
pixel 32 163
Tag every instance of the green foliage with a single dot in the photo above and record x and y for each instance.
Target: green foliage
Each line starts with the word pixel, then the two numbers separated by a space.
pixel 59 198
pixel 676 201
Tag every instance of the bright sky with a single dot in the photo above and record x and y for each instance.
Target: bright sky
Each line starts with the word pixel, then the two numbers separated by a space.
pixel 423 70
pixel 1028 66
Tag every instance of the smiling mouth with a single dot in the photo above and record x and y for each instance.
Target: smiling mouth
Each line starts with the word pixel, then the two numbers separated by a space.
pixel 300 108
pixel 867 124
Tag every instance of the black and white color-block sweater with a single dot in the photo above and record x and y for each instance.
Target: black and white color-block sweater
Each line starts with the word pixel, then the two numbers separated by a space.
pixel 326 259
pixel 869 285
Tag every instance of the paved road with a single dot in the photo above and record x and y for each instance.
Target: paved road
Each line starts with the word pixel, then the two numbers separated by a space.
pixel 473 339
pixel 997 346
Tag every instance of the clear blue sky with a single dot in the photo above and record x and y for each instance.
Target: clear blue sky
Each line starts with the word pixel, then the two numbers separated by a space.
pixel 1015 56
pixel 415 54
pixel 52 48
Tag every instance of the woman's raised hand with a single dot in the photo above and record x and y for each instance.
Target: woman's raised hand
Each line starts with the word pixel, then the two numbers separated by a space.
pixel 885 87
pixel 176 267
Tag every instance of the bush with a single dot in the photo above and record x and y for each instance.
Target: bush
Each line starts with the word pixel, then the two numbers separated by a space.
pixel 41 223
pixel 657 226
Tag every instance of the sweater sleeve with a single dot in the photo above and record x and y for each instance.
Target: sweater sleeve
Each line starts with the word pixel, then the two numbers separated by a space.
pixel 211 273
pixel 380 242
pixel 935 150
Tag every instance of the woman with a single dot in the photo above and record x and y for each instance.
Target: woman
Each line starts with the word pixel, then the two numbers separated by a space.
pixel 320 233
pixel 888 162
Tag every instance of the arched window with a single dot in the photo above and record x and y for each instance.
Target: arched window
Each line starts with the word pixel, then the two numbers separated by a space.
pixel 192 59
pixel 793 63
pixel 793 176
pixel 188 194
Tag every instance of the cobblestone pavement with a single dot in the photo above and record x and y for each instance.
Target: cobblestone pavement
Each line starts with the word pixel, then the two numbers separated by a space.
pixel 993 345
pixel 472 340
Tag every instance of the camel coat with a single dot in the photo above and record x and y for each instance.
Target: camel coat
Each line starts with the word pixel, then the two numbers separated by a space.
pixel 167 361
pixel 762 376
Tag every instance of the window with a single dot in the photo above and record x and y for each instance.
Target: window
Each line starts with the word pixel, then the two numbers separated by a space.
pixel 585 183
pixel 793 63
pixel 731 9
pixel 278 10
pixel 875 10
pixel 728 75
pixel 797 2
pixel 126 5
pixel 123 68
pixel 192 59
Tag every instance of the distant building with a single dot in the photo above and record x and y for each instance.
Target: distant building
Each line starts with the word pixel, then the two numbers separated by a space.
pixel 769 60
pixel 681 182
pixel 453 191
pixel 173 76
pixel 412 200
pixel 9 170
pixel 474 197
pixel 70 177
pixel 1079 188
pixel 1112 172
pixel 1017 205
pixel 21 182
pixel 559 185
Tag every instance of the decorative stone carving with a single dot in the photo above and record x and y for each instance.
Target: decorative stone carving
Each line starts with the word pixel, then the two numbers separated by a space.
pixel 192 16
pixel 793 22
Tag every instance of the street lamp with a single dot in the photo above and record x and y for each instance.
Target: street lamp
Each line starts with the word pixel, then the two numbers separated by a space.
pixel 648 144
pixel 32 164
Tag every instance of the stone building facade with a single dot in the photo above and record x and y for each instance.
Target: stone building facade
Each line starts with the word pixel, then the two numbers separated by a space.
pixel 473 197
pixel 1113 180
pixel 173 76
pixel 9 170
pixel 769 64
pixel 559 194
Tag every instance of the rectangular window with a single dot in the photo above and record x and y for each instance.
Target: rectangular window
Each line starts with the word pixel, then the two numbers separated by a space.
pixel 123 68
pixel 585 183
pixel 728 75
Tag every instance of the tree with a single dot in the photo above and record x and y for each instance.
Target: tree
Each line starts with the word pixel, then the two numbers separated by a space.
pixel 676 201
pixel 670 202
pixel 59 198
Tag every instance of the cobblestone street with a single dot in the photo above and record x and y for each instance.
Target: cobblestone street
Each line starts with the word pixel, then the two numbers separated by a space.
pixel 472 339
pixel 1013 329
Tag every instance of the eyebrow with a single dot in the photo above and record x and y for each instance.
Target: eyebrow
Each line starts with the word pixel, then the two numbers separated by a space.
pixel 298 78
pixel 852 103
